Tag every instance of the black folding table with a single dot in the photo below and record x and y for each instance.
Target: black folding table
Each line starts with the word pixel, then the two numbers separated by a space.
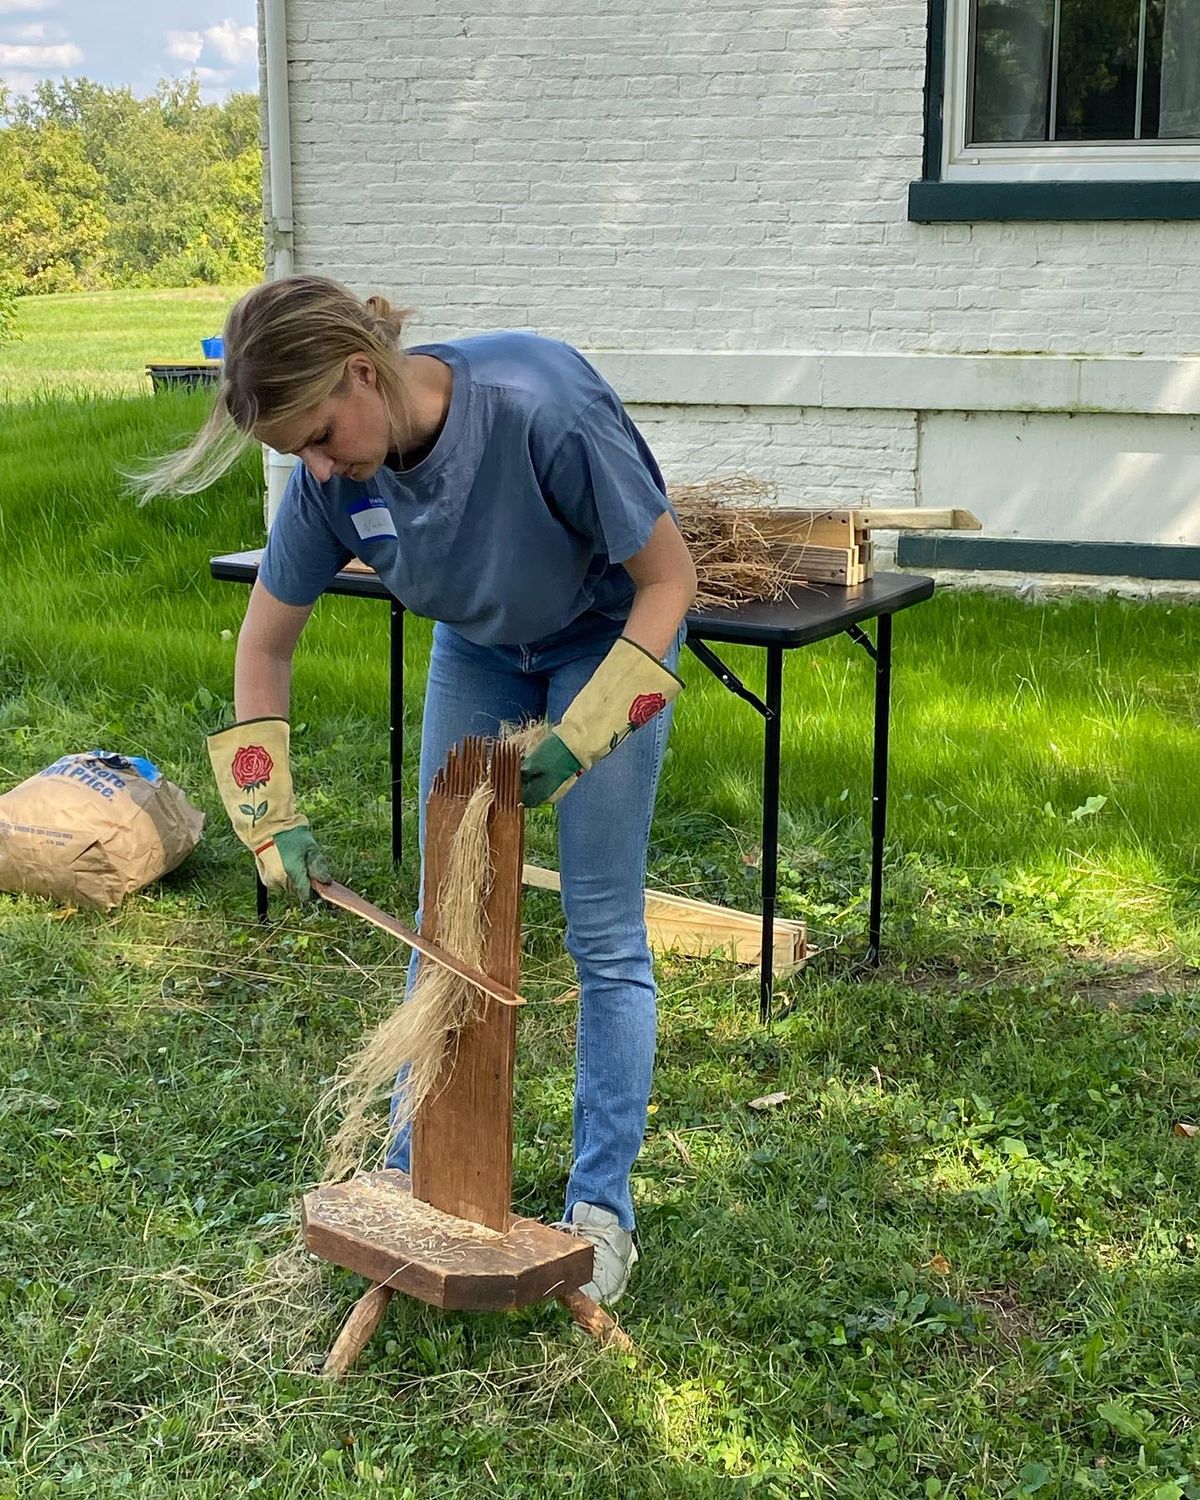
pixel 801 618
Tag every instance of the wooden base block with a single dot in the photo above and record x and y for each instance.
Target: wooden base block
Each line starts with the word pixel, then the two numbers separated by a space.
pixel 373 1225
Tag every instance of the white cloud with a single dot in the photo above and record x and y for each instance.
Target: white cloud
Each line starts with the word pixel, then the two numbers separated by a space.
pixel 10 7
pixel 213 75
pixel 64 56
pixel 21 83
pixel 234 43
pixel 185 45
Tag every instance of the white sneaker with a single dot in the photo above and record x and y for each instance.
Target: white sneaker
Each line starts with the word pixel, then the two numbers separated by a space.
pixel 616 1254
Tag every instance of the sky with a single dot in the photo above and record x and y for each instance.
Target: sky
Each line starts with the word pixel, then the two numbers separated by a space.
pixel 130 42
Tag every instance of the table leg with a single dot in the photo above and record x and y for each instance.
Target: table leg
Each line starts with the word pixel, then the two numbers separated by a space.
pixel 879 777
pixel 772 736
pixel 396 728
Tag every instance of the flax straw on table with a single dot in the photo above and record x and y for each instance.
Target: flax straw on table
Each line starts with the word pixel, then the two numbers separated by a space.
pixel 721 521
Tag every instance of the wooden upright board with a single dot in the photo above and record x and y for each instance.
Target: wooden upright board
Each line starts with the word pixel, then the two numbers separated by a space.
pixel 462 1136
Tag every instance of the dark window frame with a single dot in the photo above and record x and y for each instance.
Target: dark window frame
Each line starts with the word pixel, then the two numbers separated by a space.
pixel 933 201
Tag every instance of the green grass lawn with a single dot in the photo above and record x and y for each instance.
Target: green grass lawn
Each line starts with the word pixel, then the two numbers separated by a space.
pixel 958 1261
pixel 88 342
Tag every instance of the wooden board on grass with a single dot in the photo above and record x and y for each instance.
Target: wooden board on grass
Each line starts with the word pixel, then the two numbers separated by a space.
pixel 679 924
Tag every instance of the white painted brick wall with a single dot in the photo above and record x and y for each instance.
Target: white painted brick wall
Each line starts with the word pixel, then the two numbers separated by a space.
pixel 691 175
pixel 836 457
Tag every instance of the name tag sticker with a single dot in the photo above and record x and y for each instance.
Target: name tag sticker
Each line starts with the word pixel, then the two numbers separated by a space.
pixel 372 519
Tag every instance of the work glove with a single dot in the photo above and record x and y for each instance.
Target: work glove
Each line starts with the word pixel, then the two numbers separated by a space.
pixel 626 690
pixel 254 776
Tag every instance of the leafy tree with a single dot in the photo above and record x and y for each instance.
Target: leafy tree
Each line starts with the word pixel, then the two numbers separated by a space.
pixel 52 219
pixel 101 188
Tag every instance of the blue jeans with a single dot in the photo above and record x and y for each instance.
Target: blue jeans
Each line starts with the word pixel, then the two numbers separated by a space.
pixel 603 831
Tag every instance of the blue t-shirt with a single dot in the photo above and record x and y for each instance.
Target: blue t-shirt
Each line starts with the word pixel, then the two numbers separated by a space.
pixel 517 520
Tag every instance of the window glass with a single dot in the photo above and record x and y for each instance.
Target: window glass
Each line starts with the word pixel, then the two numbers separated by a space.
pixel 1012 70
pixel 1097 70
pixel 1176 112
pixel 1108 70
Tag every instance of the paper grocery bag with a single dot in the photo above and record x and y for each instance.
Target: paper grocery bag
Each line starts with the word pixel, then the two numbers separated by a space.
pixel 91 828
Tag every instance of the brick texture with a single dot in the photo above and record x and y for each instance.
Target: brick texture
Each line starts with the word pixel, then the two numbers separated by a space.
pixel 670 175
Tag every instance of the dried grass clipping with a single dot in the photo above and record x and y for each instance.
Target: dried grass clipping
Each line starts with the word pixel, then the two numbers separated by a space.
pixel 415 1035
pixel 736 563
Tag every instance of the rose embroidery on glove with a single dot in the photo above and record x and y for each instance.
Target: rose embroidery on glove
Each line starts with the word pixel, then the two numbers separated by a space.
pixel 251 768
pixel 644 707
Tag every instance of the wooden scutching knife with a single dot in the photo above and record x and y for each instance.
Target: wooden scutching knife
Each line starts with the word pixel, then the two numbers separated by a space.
pixel 347 900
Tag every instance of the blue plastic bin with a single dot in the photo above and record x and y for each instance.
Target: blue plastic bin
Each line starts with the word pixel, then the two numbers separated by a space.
pixel 214 348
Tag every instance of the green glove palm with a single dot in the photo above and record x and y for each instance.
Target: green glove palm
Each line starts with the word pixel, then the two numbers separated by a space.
pixel 302 860
pixel 628 689
pixel 546 769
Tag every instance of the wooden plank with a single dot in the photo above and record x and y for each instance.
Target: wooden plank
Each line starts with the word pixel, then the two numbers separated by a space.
pixel 368 1225
pixel 540 877
pixel 833 527
pixel 697 936
pixel 841 565
pixel 684 925
pixel 805 551
pixel 918 518
pixel 822 528
pixel 823 573
pixel 462 1136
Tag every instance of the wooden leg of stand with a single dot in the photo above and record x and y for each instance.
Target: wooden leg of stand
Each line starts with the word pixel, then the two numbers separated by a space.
pixel 592 1318
pixel 365 1317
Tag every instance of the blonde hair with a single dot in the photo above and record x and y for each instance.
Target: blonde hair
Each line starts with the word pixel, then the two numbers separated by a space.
pixel 286 347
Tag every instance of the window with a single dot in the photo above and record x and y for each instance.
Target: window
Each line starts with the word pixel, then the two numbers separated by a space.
pixel 1076 108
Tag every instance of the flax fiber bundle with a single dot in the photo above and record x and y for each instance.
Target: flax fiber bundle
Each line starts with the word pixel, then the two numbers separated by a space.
pixel 721 521
pixel 414 1037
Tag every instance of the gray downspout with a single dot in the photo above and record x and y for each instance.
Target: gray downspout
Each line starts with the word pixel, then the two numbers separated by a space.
pixel 279 209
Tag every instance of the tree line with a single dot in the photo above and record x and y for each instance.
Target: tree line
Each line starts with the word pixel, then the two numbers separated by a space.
pixel 100 188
